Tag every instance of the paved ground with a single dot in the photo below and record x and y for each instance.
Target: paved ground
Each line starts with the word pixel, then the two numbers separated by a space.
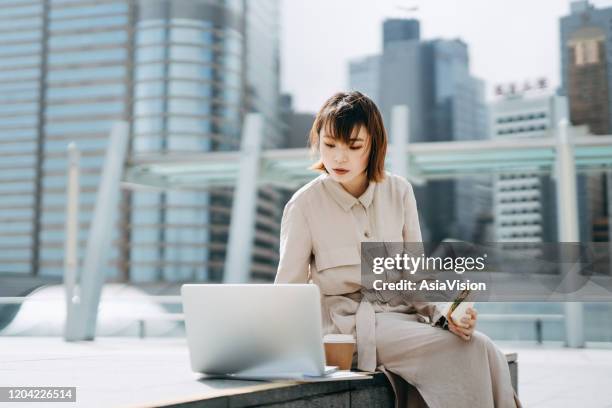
pixel 110 372
pixel 133 372
pixel 554 376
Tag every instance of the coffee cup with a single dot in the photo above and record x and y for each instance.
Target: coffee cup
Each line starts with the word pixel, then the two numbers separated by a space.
pixel 339 350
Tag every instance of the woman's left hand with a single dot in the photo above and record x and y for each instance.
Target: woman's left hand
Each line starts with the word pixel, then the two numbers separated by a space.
pixel 465 327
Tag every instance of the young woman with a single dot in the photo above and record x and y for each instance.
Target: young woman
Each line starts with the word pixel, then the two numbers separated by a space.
pixel 323 225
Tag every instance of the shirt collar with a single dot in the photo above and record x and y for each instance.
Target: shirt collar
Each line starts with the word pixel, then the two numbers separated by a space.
pixel 344 198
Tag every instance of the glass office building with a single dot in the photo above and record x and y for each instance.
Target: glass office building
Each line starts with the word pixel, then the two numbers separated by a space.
pixel 525 203
pixel 21 30
pixel 86 88
pixel 182 72
pixel 446 103
pixel 585 38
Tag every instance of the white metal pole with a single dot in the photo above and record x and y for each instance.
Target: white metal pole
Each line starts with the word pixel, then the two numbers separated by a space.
pixel 244 205
pixel 81 322
pixel 400 121
pixel 71 243
pixel 567 221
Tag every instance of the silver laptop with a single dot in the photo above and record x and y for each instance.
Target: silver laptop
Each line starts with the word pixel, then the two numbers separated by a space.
pixel 255 331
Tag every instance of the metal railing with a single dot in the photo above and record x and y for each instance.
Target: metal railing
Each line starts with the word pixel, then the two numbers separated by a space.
pixel 538 319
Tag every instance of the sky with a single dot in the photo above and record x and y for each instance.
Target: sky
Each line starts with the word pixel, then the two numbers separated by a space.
pixel 508 40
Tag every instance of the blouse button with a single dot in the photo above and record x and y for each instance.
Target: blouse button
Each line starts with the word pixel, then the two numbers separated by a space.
pixel 367 234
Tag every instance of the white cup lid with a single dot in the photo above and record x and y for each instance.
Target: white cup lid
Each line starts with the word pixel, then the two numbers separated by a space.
pixel 339 338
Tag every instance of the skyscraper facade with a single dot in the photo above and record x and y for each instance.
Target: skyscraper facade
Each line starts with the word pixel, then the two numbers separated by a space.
pixel 454 110
pixel 20 122
pixel 525 203
pixel 182 73
pixel 586 79
pixel 446 103
pixel 365 74
pixel 400 29
pixel 65 77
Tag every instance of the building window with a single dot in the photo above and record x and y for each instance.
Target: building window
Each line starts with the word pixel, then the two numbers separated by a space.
pixel 586 52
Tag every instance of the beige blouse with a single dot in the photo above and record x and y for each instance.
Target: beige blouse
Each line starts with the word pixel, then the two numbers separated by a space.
pixel 321 231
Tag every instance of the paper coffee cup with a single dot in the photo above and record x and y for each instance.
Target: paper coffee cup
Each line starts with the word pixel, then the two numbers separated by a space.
pixel 339 350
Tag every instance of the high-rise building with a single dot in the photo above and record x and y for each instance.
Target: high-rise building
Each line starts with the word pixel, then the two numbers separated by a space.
pixel 525 203
pixel 183 73
pixel 446 103
pixel 364 75
pixel 20 127
pixel 297 125
pixel 454 110
pixel 262 60
pixel 64 76
pixel 586 79
pixel 400 29
pixel 401 83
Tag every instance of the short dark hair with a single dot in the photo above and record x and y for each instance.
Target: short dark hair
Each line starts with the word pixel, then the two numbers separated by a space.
pixel 344 113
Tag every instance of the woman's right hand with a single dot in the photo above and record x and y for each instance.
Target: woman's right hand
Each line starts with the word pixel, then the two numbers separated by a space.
pixel 468 323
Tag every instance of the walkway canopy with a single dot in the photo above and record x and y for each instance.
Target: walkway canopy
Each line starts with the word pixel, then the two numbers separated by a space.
pixel 425 161
pixel 566 152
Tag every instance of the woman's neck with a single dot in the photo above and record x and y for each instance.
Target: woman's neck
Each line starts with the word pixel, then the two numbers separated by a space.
pixel 357 186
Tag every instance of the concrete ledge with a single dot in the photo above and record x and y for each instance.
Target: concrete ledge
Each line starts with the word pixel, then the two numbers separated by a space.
pixel 375 392
pixel 124 372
